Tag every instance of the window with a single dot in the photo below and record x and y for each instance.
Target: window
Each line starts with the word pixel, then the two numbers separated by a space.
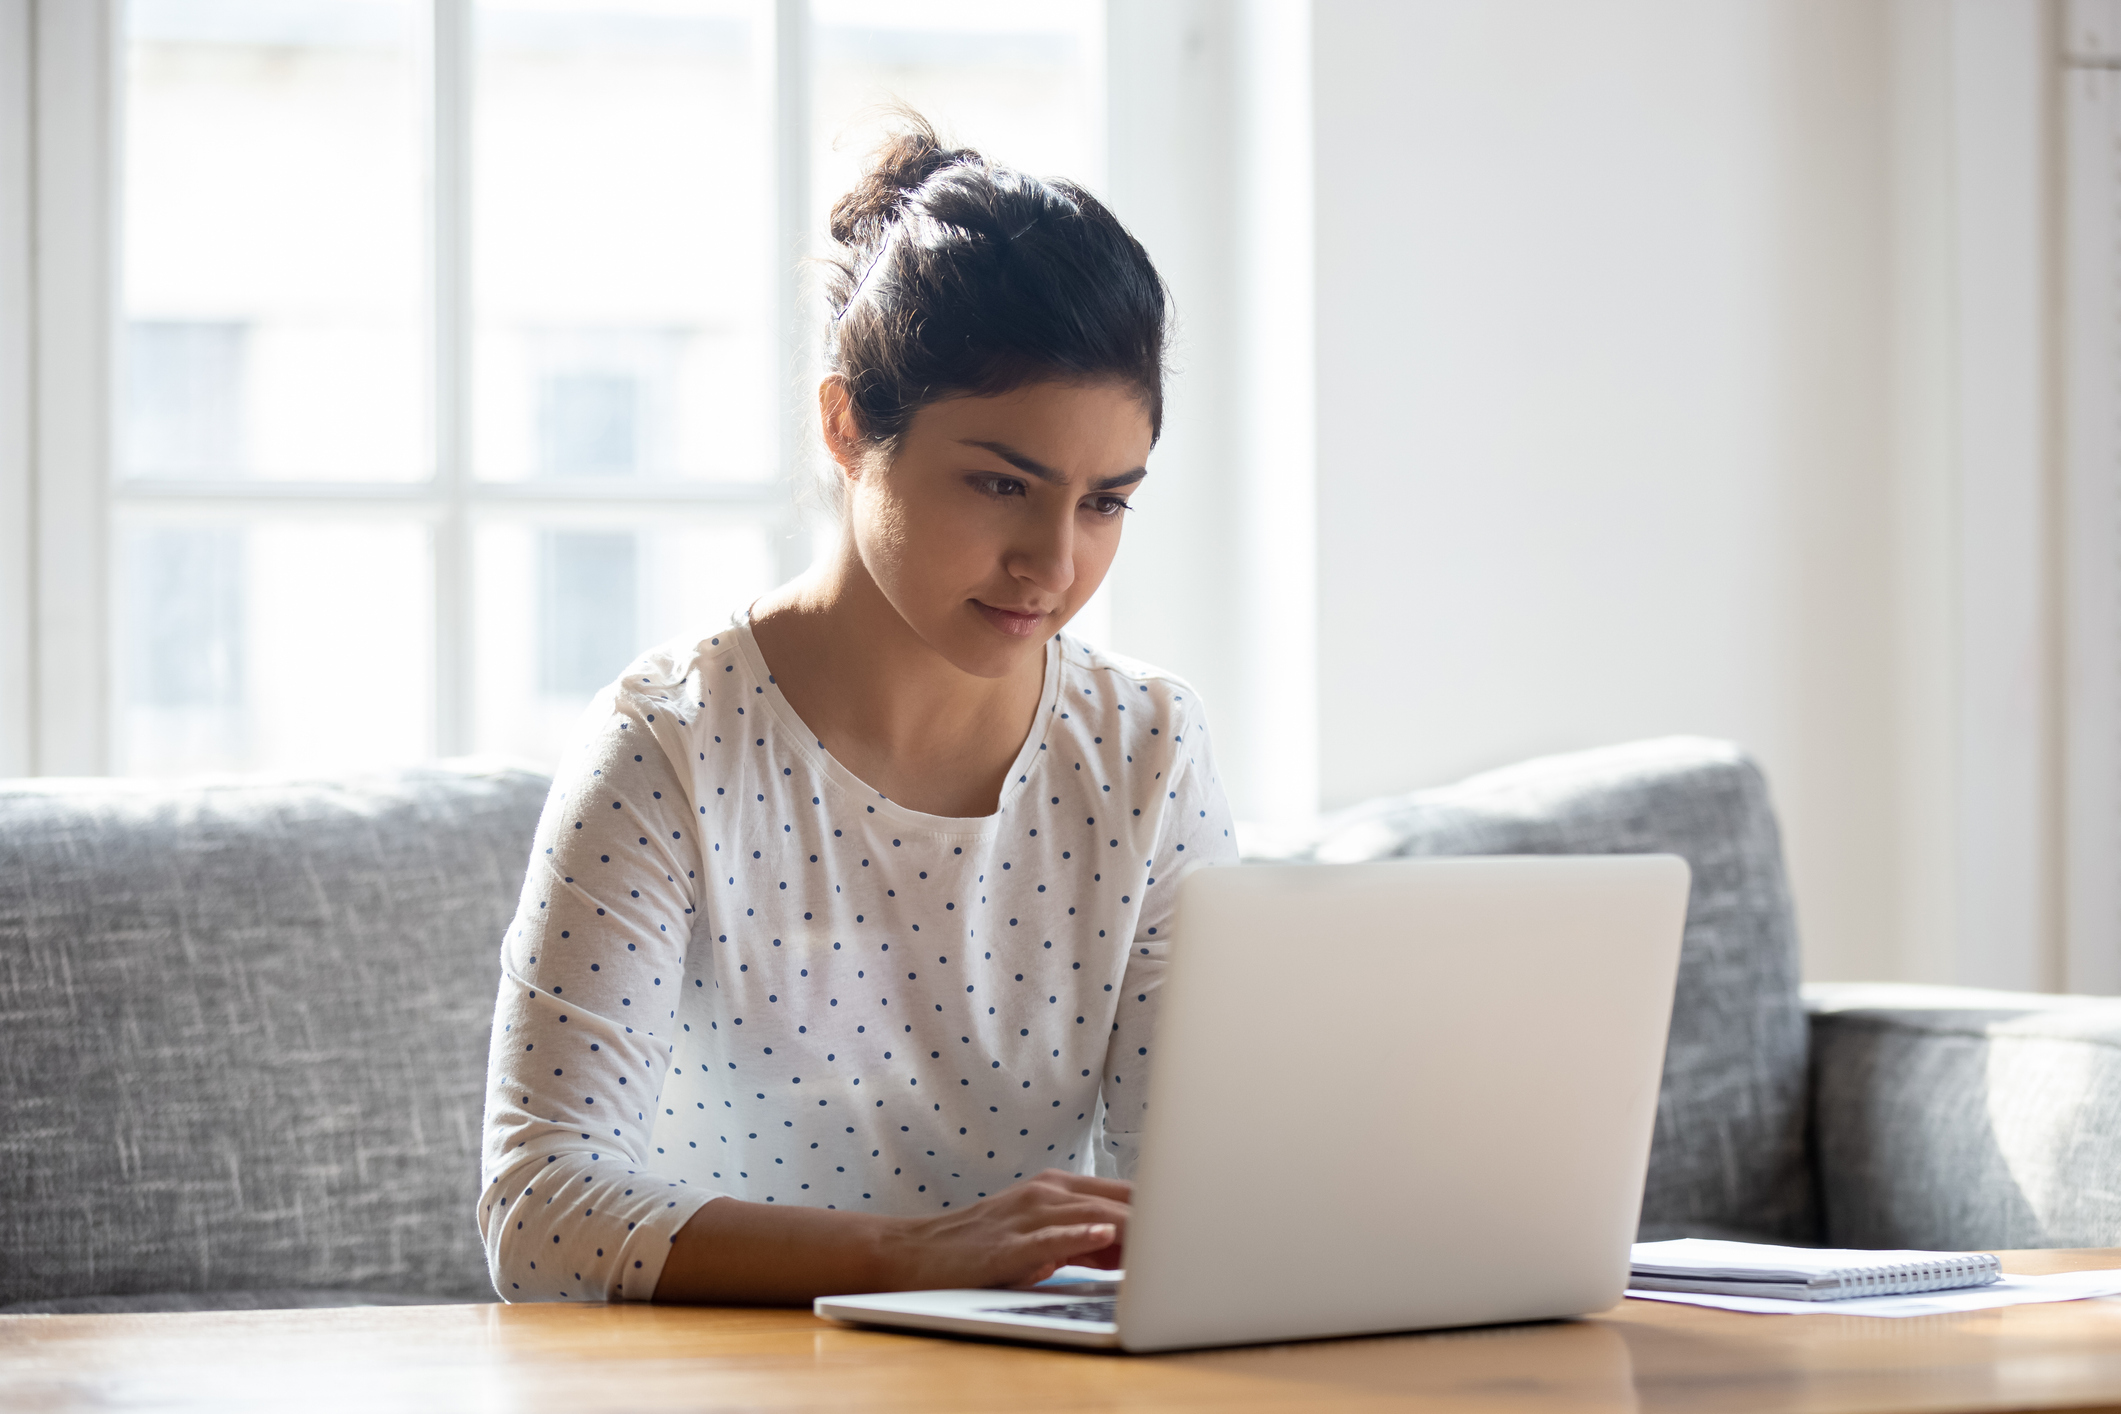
pixel 462 347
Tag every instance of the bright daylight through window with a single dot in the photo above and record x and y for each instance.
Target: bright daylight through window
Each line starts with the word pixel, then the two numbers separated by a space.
pixel 460 340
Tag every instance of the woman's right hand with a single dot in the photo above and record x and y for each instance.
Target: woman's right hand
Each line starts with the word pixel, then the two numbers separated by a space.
pixel 734 1252
pixel 1019 1237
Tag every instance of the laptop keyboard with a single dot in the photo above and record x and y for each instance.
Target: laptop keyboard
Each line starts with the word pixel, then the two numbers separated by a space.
pixel 1098 1312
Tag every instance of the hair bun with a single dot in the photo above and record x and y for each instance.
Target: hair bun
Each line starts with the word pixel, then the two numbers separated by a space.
pixel 900 166
pixel 1001 280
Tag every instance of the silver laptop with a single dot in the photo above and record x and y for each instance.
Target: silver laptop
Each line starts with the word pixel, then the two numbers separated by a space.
pixel 1389 1097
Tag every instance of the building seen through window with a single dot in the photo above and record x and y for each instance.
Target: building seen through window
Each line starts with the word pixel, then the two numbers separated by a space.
pixel 587 581
pixel 184 415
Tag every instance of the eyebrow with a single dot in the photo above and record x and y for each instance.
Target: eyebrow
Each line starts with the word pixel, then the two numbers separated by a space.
pixel 1032 467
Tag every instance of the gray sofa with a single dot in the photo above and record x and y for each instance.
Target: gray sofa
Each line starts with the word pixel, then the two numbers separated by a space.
pixel 242 1034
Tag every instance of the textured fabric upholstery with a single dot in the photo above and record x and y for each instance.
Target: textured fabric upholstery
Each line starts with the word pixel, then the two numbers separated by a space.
pixel 1952 1118
pixel 1729 1156
pixel 245 1030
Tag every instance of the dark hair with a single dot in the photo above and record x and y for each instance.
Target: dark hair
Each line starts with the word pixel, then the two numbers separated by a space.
pixel 957 276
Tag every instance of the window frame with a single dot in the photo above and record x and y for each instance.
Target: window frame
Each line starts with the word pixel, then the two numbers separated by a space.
pixel 18 541
pixel 61 503
pixel 59 123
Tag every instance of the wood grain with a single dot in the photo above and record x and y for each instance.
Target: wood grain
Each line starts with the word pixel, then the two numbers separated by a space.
pixel 1640 1356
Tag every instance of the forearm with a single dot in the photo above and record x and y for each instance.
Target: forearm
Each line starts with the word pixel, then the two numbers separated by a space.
pixel 735 1253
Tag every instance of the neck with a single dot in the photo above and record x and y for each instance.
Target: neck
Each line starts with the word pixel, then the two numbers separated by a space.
pixel 893 710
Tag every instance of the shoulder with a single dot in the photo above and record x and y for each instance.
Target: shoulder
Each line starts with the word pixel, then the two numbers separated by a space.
pixel 704 662
pixel 675 682
pixel 660 696
pixel 1097 682
pixel 1147 731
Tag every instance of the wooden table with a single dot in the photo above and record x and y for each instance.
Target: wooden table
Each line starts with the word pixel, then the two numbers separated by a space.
pixel 1641 1355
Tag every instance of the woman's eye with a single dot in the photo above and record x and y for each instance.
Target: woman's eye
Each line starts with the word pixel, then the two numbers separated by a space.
pixel 1001 486
pixel 1109 505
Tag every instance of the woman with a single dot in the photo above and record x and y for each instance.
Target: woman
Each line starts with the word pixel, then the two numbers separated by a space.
pixel 842 918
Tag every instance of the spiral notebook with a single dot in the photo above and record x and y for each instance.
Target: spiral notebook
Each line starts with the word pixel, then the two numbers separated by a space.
pixel 1802 1273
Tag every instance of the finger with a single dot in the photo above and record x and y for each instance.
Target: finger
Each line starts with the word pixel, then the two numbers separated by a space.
pixel 1049 1249
pixel 1105 1258
pixel 1115 1188
pixel 1029 1280
pixel 1029 1206
pixel 1063 1244
pixel 1072 1212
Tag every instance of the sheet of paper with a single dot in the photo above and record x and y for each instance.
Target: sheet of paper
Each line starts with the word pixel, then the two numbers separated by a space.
pixel 2006 1291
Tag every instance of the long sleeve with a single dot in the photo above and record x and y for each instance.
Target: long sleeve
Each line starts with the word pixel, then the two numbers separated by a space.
pixel 573 1205
pixel 1196 831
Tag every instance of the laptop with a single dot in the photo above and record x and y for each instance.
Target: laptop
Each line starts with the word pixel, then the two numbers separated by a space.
pixel 1389 1097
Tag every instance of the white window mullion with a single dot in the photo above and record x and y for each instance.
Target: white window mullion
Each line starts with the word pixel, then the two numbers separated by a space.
pixel 451 293
pixel 794 335
pixel 74 246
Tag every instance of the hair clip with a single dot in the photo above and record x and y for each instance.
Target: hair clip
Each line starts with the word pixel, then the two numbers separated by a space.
pixel 874 261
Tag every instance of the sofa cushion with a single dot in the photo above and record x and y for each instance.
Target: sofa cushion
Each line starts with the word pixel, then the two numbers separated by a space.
pixel 1951 1118
pixel 246 1028
pixel 1729 1155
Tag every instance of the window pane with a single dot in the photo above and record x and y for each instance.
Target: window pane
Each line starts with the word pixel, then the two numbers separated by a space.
pixel 563 607
pixel 274 266
pixel 623 231
pixel 1017 81
pixel 184 611
pixel 587 603
pixel 273 645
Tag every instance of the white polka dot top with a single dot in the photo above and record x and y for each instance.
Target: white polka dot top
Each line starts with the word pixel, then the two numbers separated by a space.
pixel 738 970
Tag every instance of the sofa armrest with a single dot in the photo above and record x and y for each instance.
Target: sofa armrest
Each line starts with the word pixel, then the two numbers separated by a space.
pixel 1952 1118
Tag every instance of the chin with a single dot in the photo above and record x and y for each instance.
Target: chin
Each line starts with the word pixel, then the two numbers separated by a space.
pixel 984 652
pixel 996 661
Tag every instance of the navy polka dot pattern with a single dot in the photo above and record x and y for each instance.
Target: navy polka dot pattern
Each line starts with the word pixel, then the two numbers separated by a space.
pixel 738 970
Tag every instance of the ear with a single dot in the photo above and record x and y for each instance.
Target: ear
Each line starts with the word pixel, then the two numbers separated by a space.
pixel 840 427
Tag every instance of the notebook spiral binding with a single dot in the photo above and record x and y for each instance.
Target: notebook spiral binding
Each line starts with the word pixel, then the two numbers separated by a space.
pixel 1907 1278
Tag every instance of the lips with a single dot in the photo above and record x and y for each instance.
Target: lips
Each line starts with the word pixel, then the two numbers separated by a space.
pixel 1017 623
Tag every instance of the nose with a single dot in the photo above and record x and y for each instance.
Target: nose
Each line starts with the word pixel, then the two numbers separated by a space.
pixel 1044 555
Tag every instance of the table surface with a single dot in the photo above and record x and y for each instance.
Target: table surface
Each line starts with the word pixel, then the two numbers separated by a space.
pixel 1641 1355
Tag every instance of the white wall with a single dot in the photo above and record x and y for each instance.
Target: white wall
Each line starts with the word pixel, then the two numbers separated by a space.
pixel 1603 408
pixel 2089 523
pixel 2005 863
pixel 1678 368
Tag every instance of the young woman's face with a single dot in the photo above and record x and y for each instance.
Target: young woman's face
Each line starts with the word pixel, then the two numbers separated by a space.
pixel 999 516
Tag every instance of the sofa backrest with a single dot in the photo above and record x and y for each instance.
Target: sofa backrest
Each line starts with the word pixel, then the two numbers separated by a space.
pixel 245 1029
pixel 1730 1150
